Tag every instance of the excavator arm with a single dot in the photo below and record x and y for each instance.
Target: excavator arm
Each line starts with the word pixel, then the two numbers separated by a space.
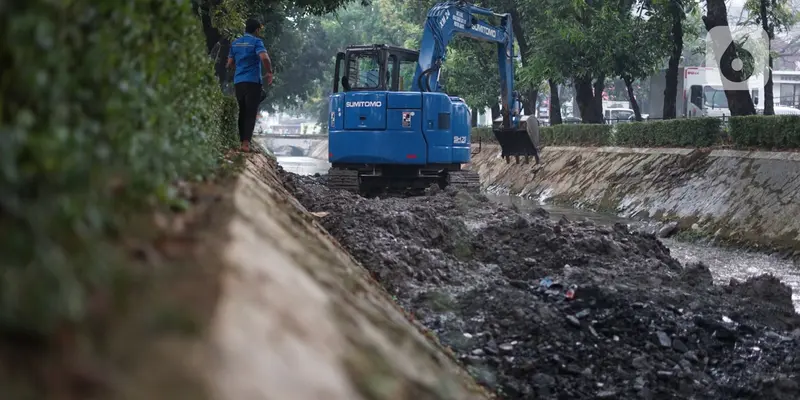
pixel 448 19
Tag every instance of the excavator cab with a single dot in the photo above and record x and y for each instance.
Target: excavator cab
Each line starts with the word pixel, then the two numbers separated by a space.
pixel 359 68
pixel 386 135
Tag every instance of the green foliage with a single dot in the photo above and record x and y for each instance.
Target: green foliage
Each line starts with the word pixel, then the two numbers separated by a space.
pixel 681 132
pixel 300 51
pixel 694 38
pixel 779 15
pixel 641 47
pixel 382 21
pixel 228 123
pixel 576 135
pixel 483 133
pixel 573 39
pixel 766 131
pixel 104 105
pixel 471 72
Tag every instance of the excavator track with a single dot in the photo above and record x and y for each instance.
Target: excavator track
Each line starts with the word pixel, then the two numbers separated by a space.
pixel 465 179
pixel 343 179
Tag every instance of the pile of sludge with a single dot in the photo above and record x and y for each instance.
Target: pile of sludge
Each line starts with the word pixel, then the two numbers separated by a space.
pixel 536 308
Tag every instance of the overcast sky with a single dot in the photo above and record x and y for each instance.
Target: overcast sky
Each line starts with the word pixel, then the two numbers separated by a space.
pixel 735 12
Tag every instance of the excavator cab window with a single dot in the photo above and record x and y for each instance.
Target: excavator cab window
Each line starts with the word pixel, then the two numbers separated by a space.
pixel 391 76
pixel 378 67
pixel 407 69
pixel 364 70
pixel 337 74
pixel 403 64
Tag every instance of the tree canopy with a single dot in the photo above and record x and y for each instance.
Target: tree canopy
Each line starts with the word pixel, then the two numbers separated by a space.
pixel 581 45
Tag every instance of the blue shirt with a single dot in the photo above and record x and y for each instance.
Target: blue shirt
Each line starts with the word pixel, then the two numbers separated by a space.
pixel 245 52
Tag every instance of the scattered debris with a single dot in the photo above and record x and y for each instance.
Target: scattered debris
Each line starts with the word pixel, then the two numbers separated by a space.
pixel 668 229
pixel 579 310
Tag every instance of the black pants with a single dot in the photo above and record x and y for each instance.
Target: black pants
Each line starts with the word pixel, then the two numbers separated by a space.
pixel 248 94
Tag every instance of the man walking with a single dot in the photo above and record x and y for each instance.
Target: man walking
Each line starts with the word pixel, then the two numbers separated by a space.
pixel 249 57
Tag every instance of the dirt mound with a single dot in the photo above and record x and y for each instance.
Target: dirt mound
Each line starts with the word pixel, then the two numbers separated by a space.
pixel 542 309
pixel 767 288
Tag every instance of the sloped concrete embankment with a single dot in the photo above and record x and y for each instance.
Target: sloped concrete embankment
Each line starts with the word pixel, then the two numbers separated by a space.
pixel 300 319
pixel 750 198
pixel 319 150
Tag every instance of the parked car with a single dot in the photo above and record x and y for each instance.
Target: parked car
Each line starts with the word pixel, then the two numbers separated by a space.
pixel 781 110
pixel 617 115
pixel 645 117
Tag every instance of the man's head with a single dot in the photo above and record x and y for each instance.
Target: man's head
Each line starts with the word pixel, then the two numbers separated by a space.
pixel 252 26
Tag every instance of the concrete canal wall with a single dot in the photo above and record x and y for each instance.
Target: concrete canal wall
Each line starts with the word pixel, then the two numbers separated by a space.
pixel 745 197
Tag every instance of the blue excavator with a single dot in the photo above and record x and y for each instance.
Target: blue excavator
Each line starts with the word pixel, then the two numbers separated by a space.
pixel 392 128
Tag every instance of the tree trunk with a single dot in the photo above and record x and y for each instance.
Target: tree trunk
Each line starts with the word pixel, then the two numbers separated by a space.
pixel 676 37
pixel 529 96
pixel 632 98
pixel 584 96
pixel 495 112
pixel 474 122
pixel 739 101
pixel 214 39
pixel 529 102
pixel 599 87
pixel 555 103
pixel 769 103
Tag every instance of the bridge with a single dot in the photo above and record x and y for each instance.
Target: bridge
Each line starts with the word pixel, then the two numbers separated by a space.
pixel 295 145
pixel 274 135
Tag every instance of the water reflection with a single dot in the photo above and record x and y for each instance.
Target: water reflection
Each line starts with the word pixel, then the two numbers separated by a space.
pixel 304 165
pixel 556 212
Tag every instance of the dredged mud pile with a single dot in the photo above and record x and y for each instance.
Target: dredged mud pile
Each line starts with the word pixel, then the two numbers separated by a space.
pixel 567 310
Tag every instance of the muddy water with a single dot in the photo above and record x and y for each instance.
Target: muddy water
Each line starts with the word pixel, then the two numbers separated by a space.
pixel 724 263
pixel 304 165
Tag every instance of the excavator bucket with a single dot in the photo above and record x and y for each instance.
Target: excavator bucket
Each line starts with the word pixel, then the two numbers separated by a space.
pixel 516 142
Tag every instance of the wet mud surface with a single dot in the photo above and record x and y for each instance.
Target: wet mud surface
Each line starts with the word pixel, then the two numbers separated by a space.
pixel 536 308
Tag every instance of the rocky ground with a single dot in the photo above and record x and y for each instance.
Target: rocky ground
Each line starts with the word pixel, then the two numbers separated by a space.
pixel 566 310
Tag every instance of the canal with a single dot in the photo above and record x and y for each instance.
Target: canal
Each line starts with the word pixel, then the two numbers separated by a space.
pixel 725 263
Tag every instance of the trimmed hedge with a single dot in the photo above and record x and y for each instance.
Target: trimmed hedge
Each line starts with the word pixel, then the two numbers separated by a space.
pixel 766 131
pixel 483 133
pixel 576 135
pixel 681 132
pixel 559 135
pixel 103 106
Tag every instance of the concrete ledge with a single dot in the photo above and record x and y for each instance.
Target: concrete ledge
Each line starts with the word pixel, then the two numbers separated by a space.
pixel 299 319
pixel 748 197
pixel 762 155
pixel 753 154
pixel 623 150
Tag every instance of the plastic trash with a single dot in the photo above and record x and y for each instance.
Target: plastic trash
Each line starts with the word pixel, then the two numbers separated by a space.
pixel 571 292
pixel 546 282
